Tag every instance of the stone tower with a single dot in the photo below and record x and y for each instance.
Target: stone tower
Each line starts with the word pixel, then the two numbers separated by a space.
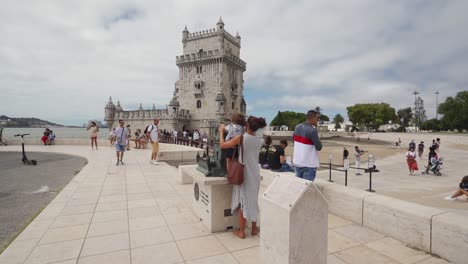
pixel 109 112
pixel 211 81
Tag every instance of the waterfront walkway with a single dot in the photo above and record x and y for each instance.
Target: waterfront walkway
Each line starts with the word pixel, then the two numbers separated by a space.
pixel 394 180
pixel 138 213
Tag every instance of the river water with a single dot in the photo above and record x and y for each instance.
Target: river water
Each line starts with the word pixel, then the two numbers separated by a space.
pixel 60 132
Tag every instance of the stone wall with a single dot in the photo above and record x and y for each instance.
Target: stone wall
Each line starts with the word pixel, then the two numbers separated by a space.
pixel 435 231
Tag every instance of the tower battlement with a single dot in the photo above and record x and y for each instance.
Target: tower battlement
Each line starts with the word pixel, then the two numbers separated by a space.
pixel 211 33
pixel 210 54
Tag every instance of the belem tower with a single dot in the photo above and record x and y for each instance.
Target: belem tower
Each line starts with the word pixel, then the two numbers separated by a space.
pixel 209 89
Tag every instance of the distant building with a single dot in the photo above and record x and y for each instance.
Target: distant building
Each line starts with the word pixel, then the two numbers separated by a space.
pixel 210 86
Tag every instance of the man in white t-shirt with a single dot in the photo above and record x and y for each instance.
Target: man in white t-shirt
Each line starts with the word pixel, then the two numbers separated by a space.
pixel 120 141
pixel 174 136
pixel 153 135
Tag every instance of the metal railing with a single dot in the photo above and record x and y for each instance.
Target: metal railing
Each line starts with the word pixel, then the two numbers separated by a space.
pixel 186 141
pixel 345 167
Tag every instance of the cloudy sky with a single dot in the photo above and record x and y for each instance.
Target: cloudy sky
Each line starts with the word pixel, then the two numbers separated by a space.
pixel 61 60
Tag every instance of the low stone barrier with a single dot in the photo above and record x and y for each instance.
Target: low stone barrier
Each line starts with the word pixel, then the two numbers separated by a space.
pixel 429 229
pixel 405 221
pixel 346 202
pixel 450 237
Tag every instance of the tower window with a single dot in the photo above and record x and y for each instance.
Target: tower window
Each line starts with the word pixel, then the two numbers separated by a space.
pixel 198 104
pixel 232 105
pixel 199 69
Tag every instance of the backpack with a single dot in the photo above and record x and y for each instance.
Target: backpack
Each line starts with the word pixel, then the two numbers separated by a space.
pixel 146 129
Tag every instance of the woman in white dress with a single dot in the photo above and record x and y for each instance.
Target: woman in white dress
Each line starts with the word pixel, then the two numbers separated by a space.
pixel 245 196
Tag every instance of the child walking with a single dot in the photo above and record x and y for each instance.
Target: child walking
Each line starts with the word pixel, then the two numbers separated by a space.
pixel 236 128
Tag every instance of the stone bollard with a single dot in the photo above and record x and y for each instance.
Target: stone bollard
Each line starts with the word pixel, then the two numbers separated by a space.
pixel 294 223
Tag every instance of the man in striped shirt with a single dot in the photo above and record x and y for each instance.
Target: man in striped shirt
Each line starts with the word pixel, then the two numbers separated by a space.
pixel 306 147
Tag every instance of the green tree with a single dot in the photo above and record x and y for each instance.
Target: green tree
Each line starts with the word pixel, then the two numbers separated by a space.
pixel 432 124
pixel 455 112
pixel 288 118
pixel 324 118
pixel 338 119
pixel 404 116
pixel 371 115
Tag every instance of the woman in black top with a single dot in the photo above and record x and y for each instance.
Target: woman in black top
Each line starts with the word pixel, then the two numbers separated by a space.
pixel 263 156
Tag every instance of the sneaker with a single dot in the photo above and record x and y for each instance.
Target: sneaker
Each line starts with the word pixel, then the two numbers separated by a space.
pixel 358 174
pixel 155 163
pixel 450 198
pixel 117 163
pixel 121 162
pixel 151 161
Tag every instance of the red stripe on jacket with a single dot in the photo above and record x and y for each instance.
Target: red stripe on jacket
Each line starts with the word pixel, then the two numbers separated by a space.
pixel 303 140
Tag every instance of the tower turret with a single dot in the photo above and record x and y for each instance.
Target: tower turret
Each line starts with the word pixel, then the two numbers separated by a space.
pixel 238 38
pixel 220 25
pixel 220 100
pixel 118 108
pixel 109 112
pixel 174 105
pixel 243 106
pixel 185 33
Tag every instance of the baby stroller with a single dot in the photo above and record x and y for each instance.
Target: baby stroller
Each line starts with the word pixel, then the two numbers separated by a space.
pixel 435 166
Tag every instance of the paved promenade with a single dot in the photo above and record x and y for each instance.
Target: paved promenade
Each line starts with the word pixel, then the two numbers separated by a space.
pixel 138 213
pixel 394 180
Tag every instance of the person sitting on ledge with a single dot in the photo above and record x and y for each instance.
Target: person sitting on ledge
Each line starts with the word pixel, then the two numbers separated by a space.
pixel 51 138
pixel 462 190
pixel 45 136
pixel 276 158
pixel 137 138
pixel 263 156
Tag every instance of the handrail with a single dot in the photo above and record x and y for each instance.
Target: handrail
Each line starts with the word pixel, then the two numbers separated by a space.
pixel 185 141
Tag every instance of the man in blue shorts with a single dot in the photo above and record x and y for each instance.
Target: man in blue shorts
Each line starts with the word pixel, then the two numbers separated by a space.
pixel 120 141
pixel 306 147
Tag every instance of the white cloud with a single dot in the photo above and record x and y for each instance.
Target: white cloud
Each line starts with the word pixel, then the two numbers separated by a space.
pixel 60 60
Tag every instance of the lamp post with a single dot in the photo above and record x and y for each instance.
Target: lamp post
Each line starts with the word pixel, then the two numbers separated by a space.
pixel 330 158
pixel 416 117
pixel 437 105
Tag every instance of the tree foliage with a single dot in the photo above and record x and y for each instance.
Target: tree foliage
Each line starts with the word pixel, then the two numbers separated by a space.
pixel 337 120
pixel 288 118
pixel 432 124
pixel 371 115
pixel 324 118
pixel 455 112
pixel 405 115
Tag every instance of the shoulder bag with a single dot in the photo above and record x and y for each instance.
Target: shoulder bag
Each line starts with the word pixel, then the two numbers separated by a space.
pixel 235 174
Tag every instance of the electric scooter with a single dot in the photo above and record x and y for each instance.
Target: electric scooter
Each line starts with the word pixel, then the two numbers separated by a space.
pixel 25 159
